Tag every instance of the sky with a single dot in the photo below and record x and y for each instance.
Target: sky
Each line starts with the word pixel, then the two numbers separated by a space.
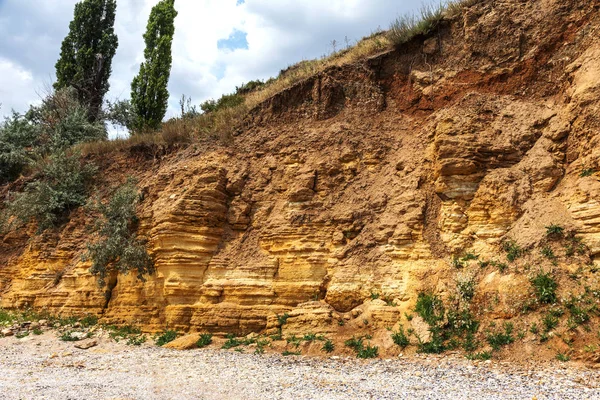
pixel 218 44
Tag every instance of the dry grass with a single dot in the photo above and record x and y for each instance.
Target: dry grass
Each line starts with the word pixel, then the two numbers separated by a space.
pixel 218 125
pixel 368 46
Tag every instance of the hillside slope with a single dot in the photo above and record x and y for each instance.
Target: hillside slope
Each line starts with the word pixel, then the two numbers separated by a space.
pixel 346 195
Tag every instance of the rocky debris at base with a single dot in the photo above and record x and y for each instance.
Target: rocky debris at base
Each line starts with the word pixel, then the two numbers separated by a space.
pixel 55 370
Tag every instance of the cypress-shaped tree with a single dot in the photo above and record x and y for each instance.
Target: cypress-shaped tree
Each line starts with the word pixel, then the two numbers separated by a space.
pixel 149 94
pixel 87 51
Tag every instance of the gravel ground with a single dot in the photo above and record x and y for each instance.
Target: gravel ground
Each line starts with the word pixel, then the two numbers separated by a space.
pixel 44 368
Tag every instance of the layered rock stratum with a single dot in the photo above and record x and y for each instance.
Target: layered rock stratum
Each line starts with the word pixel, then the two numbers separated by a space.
pixel 346 195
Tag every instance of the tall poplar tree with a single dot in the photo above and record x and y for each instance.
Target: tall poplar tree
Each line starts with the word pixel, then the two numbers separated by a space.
pixel 149 94
pixel 87 51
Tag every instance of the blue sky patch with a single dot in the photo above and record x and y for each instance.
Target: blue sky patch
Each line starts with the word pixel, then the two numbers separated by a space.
pixel 237 40
pixel 239 2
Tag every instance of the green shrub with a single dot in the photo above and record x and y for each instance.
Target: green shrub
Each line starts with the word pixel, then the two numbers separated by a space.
pixel 204 340
pixel 89 320
pixel 310 337
pixel 116 247
pixel 18 141
pixel 282 319
pixel 165 337
pixel 430 308
pixel 251 86
pixel 400 338
pixel 328 346
pixel 466 288
pixel 545 287
pixel 550 322
pixel 548 253
pixel 122 332
pixel 587 172
pixel 512 249
pixel 354 343
pixel 562 357
pixel 226 101
pixel 231 342
pixel 60 187
pixel 499 339
pixel 368 352
pixel 291 353
pixel 554 230
pixel 67 336
pixel 534 329
pixel 136 340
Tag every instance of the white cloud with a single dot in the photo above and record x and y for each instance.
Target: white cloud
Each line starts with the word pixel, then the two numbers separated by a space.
pixel 279 33
pixel 16 84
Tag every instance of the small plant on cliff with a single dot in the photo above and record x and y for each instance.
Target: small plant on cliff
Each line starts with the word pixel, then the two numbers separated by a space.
pixel 328 346
pixel 165 337
pixel 501 338
pixel 512 249
pixel 368 352
pixel 400 338
pixel 465 286
pixel 117 247
pixel 282 319
pixel 231 342
pixel 587 172
pixel 545 287
pixel 554 230
pixel 204 340
pixel 59 187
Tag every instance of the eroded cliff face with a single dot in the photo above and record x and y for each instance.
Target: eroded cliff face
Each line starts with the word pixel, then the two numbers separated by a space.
pixel 367 179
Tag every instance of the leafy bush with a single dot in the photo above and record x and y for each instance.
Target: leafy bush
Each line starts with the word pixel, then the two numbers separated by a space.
pixel 60 187
pixel 251 86
pixel 121 113
pixel 554 230
pixel 466 287
pixel 548 253
pixel 550 322
pixel 512 249
pixel 68 337
pixel 290 353
pixel 64 121
pixel 400 338
pixel 587 172
pixel 231 342
pixel 18 139
pixel 430 308
pixel 136 340
pixel 122 332
pixel 226 101
pixel 165 337
pixel 354 343
pixel 328 346
pixel 204 340
pixel 117 247
pixel 562 357
pixel 499 339
pixel 368 352
pixel 282 319
pixel 545 287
